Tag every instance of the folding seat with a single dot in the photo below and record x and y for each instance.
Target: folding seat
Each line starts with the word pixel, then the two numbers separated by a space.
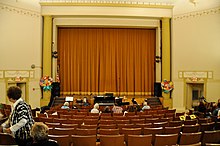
pixel 139 140
pixel 112 140
pixel 190 122
pixel 6 139
pixel 172 130
pixel 153 131
pixel 207 126
pixel 165 140
pixel 160 124
pixel 62 140
pixel 64 131
pixel 79 140
pixel 130 131
pixel 190 138
pixel 80 131
pixel 109 131
pixel 211 137
pixel 89 126
pixel 190 128
pixel 175 123
pixel 107 126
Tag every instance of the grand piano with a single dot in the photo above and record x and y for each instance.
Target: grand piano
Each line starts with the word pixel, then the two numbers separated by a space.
pixel 104 100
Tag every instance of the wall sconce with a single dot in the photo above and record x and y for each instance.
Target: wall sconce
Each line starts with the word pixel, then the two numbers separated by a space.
pixel 158 59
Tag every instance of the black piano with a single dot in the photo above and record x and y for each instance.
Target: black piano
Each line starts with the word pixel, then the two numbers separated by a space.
pixel 104 100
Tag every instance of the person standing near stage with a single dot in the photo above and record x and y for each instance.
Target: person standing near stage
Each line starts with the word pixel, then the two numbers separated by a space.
pixel 20 120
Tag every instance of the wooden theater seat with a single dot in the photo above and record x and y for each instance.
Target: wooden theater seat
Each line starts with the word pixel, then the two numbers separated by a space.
pixel 190 138
pixel 139 140
pixel 165 140
pixel 112 140
pixel 88 140
pixel 7 139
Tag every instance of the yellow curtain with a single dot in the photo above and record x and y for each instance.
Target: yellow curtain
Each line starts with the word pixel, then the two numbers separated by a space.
pixel 99 60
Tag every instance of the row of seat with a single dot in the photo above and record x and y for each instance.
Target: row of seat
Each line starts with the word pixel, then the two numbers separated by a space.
pixel 153 139
pixel 132 140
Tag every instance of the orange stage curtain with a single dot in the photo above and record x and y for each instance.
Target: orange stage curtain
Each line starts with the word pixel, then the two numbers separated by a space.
pixel 99 60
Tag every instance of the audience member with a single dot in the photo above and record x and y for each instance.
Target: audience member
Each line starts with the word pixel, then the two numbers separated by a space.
pixel 95 108
pixel 107 110
pixel 202 107
pixel 39 133
pixel 216 112
pixel 130 108
pixel 134 101
pixel 117 109
pixel 85 102
pixel 145 106
pixel 65 105
pixel 20 122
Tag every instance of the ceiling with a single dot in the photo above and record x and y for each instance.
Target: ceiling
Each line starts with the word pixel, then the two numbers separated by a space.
pixel 180 6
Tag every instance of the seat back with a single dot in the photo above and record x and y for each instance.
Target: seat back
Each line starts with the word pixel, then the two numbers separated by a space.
pixel 172 130
pixel 79 140
pixel 166 140
pixel 111 140
pixel 175 123
pixel 211 137
pixel 130 131
pixel 207 126
pixel 109 131
pixel 6 139
pixel 190 138
pixel 190 122
pixel 80 131
pixel 139 140
pixel 108 126
pixel 62 140
pixel 190 128
pixel 153 131
pixel 160 124
pixel 64 131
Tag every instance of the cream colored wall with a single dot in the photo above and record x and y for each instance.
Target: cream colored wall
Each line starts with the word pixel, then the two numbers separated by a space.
pixel 195 47
pixel 20 46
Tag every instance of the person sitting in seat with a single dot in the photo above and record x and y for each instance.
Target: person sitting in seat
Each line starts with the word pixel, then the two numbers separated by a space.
pixel 39 132
pixel 107 110
pixel 117 109
pixel 65 105
pixel 145 106
pixel 216 112
pixel 95 108
pixel 85 102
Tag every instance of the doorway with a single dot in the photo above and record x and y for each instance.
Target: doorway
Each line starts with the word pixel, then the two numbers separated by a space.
pixel 193 92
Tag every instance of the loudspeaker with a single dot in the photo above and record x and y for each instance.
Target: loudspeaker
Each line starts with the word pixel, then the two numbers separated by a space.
pixel 157 89
pixel 55 91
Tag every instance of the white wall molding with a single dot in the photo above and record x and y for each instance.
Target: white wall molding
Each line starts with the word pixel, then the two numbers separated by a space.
pixel 111 3
pixel 197 14
pixel 20 11
pixel 16 73
pixel 195 74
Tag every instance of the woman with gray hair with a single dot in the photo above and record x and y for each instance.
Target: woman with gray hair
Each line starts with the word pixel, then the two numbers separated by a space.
pixel 95 108
pixel 39 132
